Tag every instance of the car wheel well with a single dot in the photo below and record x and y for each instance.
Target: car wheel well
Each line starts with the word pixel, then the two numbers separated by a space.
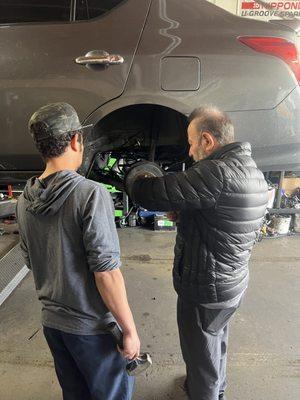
pixel 137 132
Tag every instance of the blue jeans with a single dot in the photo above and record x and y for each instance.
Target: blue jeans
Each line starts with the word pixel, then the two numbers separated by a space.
pixel 89 367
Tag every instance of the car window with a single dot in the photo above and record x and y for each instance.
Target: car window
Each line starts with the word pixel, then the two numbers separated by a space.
pixel 87 9
pixel 18 11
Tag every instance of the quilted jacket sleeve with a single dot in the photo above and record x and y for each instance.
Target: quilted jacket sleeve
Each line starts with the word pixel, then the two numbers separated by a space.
pixel 197 188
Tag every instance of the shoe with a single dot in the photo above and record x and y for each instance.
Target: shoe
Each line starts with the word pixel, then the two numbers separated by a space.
pixel 222 397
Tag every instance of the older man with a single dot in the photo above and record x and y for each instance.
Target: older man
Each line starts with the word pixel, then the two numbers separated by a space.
pixel 220 202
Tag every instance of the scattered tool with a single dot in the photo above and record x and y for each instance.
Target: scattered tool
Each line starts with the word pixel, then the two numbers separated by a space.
pixel 136 366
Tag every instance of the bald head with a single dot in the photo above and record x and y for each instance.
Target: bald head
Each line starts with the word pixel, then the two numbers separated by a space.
pixel 209 129
pixel 211 119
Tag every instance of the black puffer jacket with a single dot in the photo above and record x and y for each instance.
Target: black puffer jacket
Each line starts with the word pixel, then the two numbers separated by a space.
pixel 222 201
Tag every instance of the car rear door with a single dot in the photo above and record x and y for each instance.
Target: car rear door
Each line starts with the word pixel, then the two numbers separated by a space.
pixel 39 44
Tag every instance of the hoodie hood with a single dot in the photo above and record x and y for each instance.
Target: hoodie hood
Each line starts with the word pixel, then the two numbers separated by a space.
pixel 46 197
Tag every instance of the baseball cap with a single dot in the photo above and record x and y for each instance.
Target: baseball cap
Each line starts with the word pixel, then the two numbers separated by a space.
pixel 54 120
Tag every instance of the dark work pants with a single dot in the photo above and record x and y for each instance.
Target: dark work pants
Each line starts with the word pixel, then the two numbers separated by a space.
pixel 203 336
pixel 89 367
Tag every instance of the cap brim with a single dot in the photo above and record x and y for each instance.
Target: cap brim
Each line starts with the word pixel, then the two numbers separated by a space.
pixel 80 128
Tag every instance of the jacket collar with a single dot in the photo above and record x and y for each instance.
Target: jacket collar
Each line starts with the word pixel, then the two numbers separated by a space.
pixel 236 148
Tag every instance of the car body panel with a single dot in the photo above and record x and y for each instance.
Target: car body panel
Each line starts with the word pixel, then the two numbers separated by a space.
pixel 38 67
pixel 293 24
pixel 233 76
pixel 274 134
pixel 259 91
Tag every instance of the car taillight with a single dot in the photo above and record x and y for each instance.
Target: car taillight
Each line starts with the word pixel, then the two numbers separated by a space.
pixel 277 47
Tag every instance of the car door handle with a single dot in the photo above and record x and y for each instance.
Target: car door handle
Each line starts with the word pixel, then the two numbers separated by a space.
pixel 99 57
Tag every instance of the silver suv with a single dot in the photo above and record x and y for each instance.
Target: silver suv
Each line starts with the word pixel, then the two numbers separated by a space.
pixel 137 68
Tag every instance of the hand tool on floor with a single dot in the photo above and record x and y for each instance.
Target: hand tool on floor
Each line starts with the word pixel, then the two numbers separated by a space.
pixel 139 364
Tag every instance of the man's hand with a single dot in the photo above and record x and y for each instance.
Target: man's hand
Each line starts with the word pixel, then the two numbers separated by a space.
pixel 131 346
pixel 112 290
pixel 173 216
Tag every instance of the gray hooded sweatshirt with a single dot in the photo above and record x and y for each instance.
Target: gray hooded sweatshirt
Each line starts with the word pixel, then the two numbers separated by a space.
pixel 67 232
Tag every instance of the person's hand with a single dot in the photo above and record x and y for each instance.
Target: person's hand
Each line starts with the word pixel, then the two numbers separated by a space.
pixel 131 346
pixel 173 216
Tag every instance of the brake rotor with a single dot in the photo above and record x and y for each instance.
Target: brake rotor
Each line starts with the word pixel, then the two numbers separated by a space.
pixel 143 168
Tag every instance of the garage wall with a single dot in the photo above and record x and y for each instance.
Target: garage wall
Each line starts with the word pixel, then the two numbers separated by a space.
pixel 229 5
pixel 250 9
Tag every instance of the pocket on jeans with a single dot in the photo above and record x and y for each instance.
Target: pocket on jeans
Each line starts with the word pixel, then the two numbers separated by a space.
pixel 214 320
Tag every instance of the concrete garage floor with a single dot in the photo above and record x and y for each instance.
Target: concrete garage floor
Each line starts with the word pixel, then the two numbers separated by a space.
pixel 264 342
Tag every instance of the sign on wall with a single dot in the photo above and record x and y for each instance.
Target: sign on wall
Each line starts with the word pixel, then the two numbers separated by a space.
pixel 269 9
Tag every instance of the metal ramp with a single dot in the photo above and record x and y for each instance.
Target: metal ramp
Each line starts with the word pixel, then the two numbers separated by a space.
pixel 12 272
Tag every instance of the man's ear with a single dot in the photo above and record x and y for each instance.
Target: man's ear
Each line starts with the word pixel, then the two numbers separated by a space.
pixel 75 145
pixel 208 141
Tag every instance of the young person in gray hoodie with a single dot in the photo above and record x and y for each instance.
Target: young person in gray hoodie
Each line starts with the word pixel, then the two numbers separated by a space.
pixel 69 241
